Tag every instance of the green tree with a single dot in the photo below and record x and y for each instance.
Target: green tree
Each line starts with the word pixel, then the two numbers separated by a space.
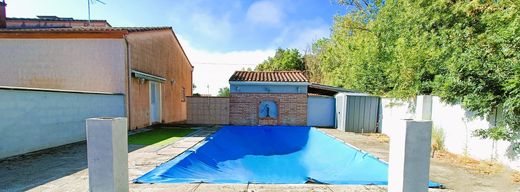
pixel 466 52
pixel 483 69
pixel 224 92
pixel 283 60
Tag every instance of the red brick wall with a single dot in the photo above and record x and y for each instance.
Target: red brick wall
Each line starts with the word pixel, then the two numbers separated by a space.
pixel 243 109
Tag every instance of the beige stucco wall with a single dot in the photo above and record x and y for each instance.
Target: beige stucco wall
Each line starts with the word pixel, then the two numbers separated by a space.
pixel 69 64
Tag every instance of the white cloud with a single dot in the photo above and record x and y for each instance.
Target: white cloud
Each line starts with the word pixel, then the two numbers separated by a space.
pixel 212 26
pixel 265 12
pixel 200 20
pixel 302 34
pixel 306 37
pixel 213 69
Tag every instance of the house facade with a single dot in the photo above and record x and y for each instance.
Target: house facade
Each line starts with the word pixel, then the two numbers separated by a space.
pixel 54 78
pixel 157 53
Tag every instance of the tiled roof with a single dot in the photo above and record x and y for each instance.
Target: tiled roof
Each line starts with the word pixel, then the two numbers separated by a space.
pixel 275 76
pixel 83 29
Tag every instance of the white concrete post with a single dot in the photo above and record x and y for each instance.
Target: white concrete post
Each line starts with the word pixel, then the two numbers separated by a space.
pixel 423 108
pixel 107 150
pixel 409 164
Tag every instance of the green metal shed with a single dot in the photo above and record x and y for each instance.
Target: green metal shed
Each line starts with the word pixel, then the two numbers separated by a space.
pixel 357 112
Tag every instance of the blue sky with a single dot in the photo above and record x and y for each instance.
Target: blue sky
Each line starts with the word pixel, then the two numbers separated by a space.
pixel 230 34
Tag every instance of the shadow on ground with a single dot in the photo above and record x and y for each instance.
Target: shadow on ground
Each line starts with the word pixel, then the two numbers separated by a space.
pixel 23 172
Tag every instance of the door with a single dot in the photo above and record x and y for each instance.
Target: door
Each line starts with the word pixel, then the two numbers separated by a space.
pixel 155 102
pixel 339 112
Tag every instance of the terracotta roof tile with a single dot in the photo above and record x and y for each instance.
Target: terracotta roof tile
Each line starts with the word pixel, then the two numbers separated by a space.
pixel 271 76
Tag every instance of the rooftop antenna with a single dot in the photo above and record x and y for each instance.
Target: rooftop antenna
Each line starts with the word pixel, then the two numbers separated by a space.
pixel 92 2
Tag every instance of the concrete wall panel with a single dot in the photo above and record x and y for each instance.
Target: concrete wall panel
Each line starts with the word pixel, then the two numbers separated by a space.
pixel 35 120
pixel 321 111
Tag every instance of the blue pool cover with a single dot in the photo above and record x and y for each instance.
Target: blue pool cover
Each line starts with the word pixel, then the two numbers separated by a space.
pixel 271 154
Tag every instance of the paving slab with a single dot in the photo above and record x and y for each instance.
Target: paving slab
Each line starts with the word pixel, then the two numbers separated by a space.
pixel 185 144
pixel 169 150
pixel 288 187
pixel 357 188
pixel 163 187
pixel 221 187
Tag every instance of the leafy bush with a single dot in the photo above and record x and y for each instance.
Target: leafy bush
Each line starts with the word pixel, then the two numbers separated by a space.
pixel 438 139
pixel 464 52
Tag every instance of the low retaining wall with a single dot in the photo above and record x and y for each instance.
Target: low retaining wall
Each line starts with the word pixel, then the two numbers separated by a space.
pixel 32 120
pixel 208 110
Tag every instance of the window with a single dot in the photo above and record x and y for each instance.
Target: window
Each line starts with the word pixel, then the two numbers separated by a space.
pixel 183 94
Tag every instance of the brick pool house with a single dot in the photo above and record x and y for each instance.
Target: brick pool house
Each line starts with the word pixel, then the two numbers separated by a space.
pixel 268 98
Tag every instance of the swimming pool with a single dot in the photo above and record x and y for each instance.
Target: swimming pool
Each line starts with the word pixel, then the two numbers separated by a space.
pixel 271 154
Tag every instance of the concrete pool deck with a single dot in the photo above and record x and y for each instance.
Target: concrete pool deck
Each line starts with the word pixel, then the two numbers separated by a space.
pixel 65 169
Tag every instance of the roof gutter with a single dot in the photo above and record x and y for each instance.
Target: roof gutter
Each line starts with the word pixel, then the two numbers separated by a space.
pixel 128 81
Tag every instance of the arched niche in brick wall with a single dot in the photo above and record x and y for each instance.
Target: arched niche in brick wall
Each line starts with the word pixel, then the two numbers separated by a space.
pixel 268 109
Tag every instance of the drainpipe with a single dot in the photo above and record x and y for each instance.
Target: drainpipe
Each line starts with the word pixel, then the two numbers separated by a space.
pixel 191 79
pixel 129 79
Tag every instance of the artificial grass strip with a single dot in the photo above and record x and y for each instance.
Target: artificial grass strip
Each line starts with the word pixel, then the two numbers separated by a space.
pixel 158 136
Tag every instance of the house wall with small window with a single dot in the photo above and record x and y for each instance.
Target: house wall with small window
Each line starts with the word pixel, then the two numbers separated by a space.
pixel 159 55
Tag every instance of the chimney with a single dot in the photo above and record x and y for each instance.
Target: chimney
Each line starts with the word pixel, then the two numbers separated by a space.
pixel 3 22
